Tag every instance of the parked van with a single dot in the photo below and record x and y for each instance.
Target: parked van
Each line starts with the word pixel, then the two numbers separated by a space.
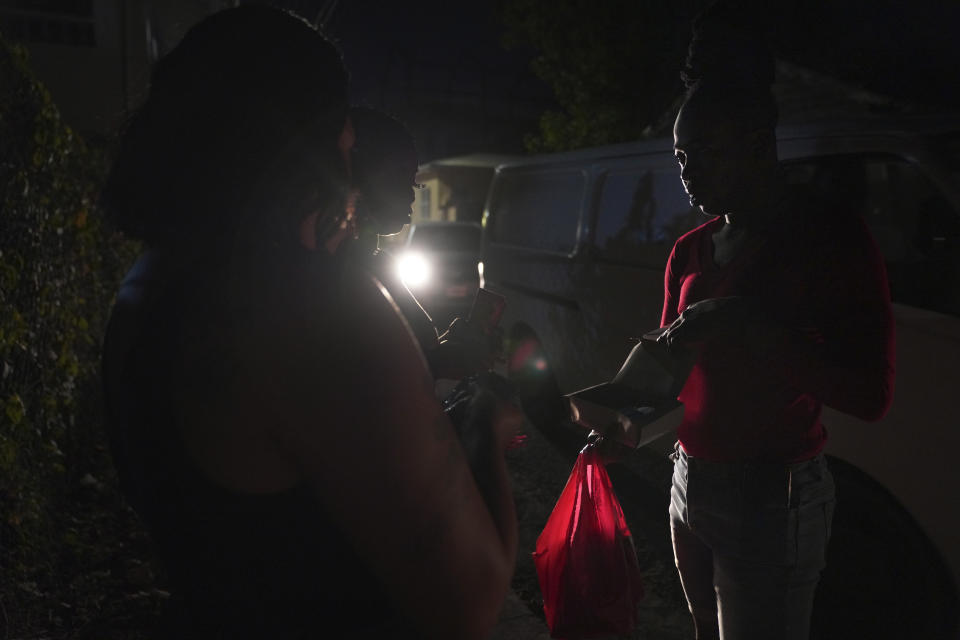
pixel 578 241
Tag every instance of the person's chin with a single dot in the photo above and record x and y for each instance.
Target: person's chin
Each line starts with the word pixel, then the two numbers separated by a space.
pixel 707 208
pixel 392 229
pixel 702 206
pixel 698 202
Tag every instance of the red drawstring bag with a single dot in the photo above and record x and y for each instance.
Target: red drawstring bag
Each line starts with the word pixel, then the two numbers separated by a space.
pixel 585 558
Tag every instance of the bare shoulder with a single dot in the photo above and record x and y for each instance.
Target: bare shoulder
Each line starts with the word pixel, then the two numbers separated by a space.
pixel 369 333
pixel 362 427
pixel 360 397
pixel 349 365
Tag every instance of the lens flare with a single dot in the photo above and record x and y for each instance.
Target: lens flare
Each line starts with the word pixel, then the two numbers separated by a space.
pixel 414 270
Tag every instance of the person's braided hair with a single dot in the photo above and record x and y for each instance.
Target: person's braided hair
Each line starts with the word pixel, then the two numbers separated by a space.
pixel 730 66
pixel 237 135
pixel 380 139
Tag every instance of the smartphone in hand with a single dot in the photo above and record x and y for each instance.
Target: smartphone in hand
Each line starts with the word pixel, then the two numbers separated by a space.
pixel 486 311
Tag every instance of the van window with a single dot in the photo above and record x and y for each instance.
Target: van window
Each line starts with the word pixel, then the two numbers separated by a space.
pixel 915 227
pixel 538 210
pixel 641 214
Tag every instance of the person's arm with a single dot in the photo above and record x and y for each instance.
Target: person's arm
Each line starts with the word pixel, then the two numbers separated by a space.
pixel 452 354
pixel 465 349
pixel 364 429
pixel 849 363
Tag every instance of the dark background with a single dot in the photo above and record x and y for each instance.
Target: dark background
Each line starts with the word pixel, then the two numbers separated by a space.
pixel 443 66
pixel 573 73
pixel 73 560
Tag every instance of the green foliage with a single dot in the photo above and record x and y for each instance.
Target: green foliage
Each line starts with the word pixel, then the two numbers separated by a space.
pixel 58 272
pixel 613 66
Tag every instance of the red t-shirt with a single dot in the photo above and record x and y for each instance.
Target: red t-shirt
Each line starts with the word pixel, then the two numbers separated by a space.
pixel 823 280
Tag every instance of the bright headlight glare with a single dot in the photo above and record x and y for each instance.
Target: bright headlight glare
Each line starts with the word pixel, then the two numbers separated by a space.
pixel 413 269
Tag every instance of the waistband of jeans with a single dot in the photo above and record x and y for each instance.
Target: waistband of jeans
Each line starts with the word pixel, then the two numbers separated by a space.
pixel 740 466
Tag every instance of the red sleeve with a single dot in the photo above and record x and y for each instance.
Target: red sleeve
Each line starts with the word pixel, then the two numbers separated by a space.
pixel 671 285
pixel 849 362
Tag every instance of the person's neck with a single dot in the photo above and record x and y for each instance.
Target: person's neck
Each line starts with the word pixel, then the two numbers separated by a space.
pixel 762 211
pixel 745 219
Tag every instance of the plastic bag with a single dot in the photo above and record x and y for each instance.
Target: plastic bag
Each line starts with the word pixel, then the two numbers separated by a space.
pixel 585 559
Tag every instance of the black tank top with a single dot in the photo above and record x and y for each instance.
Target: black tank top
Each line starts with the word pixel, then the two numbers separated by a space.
pixel 240 565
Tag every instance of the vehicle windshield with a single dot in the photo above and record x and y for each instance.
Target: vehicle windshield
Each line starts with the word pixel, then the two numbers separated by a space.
pixel 460 238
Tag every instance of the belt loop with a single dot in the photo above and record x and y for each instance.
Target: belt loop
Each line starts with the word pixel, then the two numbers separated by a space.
pixel 789 485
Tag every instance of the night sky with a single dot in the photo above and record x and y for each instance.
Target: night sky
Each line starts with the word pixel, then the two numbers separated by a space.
pixel 441 68
pixel 907 49
pixel 434 34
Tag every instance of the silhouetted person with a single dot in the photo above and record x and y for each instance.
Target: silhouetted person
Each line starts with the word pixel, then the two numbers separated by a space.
pixel 384 161
pixel 272 419
pixel 787 307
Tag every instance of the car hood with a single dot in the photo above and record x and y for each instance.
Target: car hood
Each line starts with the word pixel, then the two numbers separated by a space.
pixel 931 322
pixel 451 256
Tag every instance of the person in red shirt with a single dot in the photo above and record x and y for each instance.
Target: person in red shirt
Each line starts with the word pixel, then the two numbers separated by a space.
pixel 785 303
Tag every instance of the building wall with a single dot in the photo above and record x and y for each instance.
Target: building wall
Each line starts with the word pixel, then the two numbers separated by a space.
pixel 95 55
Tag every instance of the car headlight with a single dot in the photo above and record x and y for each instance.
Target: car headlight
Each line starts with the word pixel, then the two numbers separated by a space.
pixel 414 269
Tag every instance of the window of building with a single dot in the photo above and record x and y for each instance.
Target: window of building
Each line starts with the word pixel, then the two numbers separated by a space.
pixel 64 22
pixel 424 199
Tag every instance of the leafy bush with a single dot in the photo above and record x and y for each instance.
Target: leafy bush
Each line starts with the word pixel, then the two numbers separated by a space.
pixel 613 66
pixel 59 269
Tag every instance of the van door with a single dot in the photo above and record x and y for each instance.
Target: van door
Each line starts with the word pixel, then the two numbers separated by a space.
pixel 911 452
pixel 532 238
pixel 641 209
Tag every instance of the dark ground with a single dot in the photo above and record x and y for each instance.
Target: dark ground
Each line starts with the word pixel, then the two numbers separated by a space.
pixel 106 584
pixel 877 585
pixel 109 586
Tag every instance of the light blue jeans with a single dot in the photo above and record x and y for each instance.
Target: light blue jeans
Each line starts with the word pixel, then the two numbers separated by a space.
pixel 750 541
